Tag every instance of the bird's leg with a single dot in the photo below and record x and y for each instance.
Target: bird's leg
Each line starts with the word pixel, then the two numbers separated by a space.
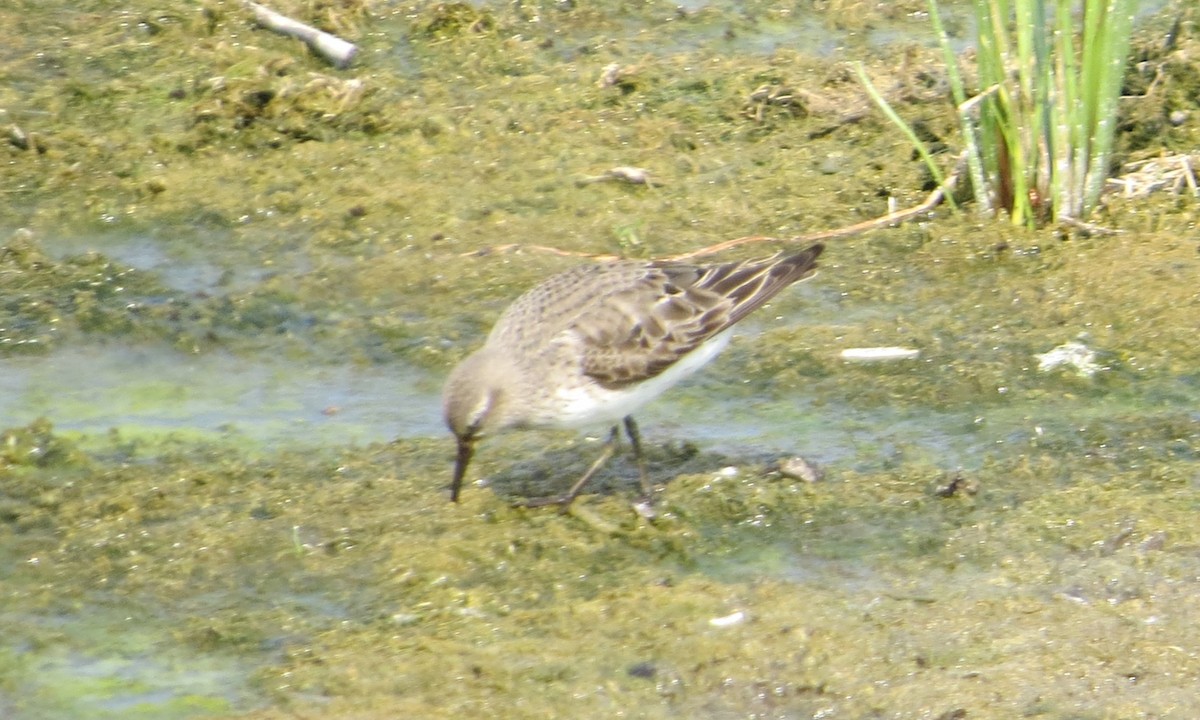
pixel 635 441
pixel 610 447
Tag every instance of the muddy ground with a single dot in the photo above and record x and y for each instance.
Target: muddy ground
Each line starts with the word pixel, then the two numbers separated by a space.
pixel 988 538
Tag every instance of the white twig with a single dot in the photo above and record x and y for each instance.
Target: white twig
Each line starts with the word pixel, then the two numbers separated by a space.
pixel 970 105
pixel 1188 174
pixel 331 47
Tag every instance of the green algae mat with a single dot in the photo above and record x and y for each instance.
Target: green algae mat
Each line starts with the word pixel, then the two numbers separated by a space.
pixel 232 279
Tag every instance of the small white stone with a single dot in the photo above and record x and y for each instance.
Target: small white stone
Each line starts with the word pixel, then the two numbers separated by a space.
pixel 609 75
pixel 798 468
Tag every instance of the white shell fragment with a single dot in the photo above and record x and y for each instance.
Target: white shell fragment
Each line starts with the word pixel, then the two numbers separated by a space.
pixel 631 175
pixel 624 173
pixel 876 354
pixel 1071 355
pixel 730 620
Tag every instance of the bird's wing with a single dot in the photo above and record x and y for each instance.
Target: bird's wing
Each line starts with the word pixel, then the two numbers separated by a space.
pixel 652 318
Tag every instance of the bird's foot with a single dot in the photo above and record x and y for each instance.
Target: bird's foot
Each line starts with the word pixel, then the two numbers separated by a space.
pixel 644 507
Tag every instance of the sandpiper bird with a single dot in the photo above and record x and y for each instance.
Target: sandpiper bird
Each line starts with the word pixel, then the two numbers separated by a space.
pixel 595 343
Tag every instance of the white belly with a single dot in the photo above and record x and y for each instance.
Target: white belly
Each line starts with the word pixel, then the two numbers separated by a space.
pixel 594 404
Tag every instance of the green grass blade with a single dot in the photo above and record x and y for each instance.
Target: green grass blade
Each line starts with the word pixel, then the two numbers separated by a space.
pixel 898 121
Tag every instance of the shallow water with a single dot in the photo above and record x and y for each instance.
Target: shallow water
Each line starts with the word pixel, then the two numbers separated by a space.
pixel 276 402
pixel 104 665
pixel 271 402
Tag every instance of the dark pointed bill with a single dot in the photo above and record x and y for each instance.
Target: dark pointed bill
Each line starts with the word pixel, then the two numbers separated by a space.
pixel 466 448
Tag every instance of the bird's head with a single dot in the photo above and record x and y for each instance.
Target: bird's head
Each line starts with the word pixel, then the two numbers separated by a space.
pixel 474 403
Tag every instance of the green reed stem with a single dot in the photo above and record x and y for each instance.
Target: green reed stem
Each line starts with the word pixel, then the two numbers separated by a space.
pixel 983 200
pixel 1041 146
